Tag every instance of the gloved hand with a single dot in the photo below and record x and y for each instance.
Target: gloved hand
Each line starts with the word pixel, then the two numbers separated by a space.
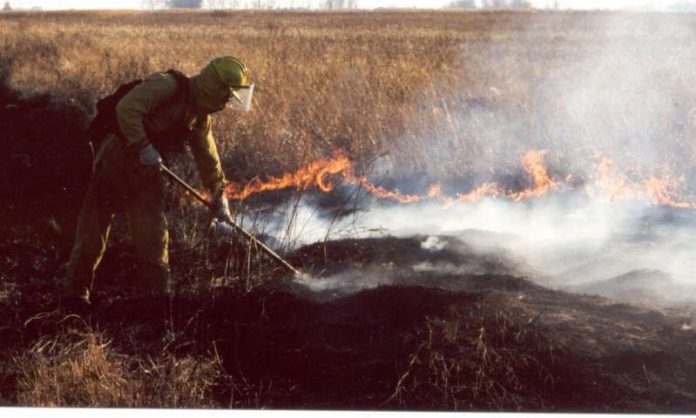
pixel 222 206
pixel 149 156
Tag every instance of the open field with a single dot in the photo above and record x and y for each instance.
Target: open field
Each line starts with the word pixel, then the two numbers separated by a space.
pixel 545 156
pixel 439 91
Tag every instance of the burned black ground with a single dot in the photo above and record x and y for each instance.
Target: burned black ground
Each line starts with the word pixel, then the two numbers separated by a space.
pixel 443 328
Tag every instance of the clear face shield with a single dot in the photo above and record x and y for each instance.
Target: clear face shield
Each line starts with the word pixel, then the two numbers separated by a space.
pixel 240 98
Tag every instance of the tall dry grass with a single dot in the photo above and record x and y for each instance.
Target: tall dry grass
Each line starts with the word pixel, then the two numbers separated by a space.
pixel 426 94
pixel 438 92
pixel 325 81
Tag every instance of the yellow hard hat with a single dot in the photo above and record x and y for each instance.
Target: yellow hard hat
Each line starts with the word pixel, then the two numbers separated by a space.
pixel 219 81
pixel 231 71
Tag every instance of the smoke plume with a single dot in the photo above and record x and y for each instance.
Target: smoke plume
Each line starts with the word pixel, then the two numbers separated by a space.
pixel 608 118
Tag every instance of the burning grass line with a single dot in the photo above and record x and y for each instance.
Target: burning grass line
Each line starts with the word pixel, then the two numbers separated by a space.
pixel 608 184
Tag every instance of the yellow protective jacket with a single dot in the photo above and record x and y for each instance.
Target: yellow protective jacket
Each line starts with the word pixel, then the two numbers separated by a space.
pixel 153 107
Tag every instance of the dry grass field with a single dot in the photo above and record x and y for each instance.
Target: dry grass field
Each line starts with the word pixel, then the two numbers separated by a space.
pixel 408 97
pixel 439 92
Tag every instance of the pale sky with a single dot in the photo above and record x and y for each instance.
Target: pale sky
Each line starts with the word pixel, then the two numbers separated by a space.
pixel 368 4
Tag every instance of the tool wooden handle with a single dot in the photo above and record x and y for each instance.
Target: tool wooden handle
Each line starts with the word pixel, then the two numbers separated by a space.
pixel 229 224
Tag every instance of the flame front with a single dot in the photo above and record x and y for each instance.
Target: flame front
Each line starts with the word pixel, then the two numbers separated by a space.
pixel 316 173
pixel 608 184
pixel 535 166
pixel 383 193
pixel 660 190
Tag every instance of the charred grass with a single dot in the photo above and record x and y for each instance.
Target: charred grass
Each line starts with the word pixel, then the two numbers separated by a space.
pixel 426 341
pixel 238 333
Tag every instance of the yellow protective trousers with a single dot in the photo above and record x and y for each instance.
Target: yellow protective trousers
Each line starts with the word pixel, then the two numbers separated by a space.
pixel 120 183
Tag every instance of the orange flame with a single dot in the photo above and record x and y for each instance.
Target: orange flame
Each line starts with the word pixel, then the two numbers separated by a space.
pixel 660 191
pixel 435 191
pixel 486 189
pixel 316 173
pixel 387 194
pixel 608 184
pixel 534 165
pixel 611 185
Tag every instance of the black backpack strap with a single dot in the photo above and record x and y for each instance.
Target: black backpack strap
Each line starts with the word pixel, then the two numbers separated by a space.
pixel 105 120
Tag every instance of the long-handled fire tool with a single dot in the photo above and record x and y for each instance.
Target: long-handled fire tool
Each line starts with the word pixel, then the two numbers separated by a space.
pixel 229 227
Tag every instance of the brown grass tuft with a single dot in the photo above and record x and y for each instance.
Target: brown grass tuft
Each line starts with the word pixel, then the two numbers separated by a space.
pixel 83 370
pixel 476 358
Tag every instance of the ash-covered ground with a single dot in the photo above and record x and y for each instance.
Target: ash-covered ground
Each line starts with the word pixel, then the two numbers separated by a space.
pixel 420 322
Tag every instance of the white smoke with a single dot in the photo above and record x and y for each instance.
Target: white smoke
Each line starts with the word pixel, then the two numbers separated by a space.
pixel 620 86
pixel 348 281
pixel 433 244
pixel 555 243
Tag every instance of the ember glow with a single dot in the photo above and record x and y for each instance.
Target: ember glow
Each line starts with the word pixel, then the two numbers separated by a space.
pixel 607 184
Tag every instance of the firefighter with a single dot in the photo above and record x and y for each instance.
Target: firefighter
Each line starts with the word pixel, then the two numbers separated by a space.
pixel 159 114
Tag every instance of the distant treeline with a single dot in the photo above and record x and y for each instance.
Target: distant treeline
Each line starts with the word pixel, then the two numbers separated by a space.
pixel 321 4
pixel 247 4
pixel 491 4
